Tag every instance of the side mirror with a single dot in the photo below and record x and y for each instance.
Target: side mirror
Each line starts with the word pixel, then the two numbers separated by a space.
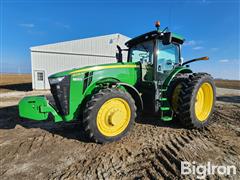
pixel 167 38
pixel 119 54
pixel 205 58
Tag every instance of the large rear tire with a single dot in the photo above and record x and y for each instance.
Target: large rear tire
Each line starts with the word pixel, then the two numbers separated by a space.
pixel 174 91
pixel 109 115
pixel 196 100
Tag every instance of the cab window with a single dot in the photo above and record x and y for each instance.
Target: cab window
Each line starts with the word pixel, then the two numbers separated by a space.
pixel 142 52
pixel 167 57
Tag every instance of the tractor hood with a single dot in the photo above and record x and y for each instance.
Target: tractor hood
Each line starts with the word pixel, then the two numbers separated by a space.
pixel 93 68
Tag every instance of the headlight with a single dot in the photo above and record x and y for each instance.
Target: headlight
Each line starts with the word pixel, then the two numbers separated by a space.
pixel 55 80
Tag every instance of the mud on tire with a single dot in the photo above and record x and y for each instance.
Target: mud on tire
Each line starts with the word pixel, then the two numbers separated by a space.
pixel 187 99
pixel 93 106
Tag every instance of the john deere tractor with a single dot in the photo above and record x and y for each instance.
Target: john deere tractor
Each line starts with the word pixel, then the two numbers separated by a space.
pixel 107 98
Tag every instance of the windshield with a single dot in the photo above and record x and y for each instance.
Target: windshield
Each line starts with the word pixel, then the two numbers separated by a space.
pixel 142 52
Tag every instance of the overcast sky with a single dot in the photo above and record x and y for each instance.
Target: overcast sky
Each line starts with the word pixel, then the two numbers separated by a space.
pixel 211 28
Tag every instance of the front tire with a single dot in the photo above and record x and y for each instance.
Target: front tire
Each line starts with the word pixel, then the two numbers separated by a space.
pixel 196 100
pixel 109 115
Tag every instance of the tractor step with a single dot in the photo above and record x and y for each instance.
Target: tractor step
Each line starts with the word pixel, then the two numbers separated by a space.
pixel 165 108
pixel 166 118
pixel 163 99
pixel 166 112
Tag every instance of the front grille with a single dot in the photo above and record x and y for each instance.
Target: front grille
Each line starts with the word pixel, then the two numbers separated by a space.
pixel 60 92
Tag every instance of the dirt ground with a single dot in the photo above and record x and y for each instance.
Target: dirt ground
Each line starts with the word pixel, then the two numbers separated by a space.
pixel 152 150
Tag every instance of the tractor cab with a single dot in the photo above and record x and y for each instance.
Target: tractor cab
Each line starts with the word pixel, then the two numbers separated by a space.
pixel 159 54
pixel 158 51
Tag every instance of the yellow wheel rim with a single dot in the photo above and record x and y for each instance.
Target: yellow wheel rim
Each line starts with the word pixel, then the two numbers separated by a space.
pixel 113 117
pixel 204 101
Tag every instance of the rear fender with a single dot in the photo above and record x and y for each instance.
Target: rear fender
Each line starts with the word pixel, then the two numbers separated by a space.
pixel 176 71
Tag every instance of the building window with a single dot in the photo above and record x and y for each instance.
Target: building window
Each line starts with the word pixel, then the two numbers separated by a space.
pixel 110 41
pixel 40 76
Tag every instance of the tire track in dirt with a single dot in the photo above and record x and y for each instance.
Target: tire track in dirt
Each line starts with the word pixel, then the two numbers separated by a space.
pixel 151 151
pixel 150 162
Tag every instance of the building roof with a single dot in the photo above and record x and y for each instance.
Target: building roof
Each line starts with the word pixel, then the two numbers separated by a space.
pixel 100 45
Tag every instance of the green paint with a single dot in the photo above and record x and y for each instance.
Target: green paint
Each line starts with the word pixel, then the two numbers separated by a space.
pixel 37 108
pixel 86 69
pixel 99 77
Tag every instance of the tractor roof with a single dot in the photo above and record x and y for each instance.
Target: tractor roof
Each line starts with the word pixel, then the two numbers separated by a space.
pixel 151 35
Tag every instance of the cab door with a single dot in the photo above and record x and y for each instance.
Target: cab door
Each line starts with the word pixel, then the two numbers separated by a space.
pixel 144 53
pixel 167 58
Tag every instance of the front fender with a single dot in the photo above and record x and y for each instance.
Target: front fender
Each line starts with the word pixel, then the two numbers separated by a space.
pixel 134 93
pixel 89 90
pixel 112 81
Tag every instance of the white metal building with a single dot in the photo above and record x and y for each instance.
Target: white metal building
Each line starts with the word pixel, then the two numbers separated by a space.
pixel 51 58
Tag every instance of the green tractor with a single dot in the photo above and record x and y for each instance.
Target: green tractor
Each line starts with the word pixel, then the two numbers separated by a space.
pixel 107 98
